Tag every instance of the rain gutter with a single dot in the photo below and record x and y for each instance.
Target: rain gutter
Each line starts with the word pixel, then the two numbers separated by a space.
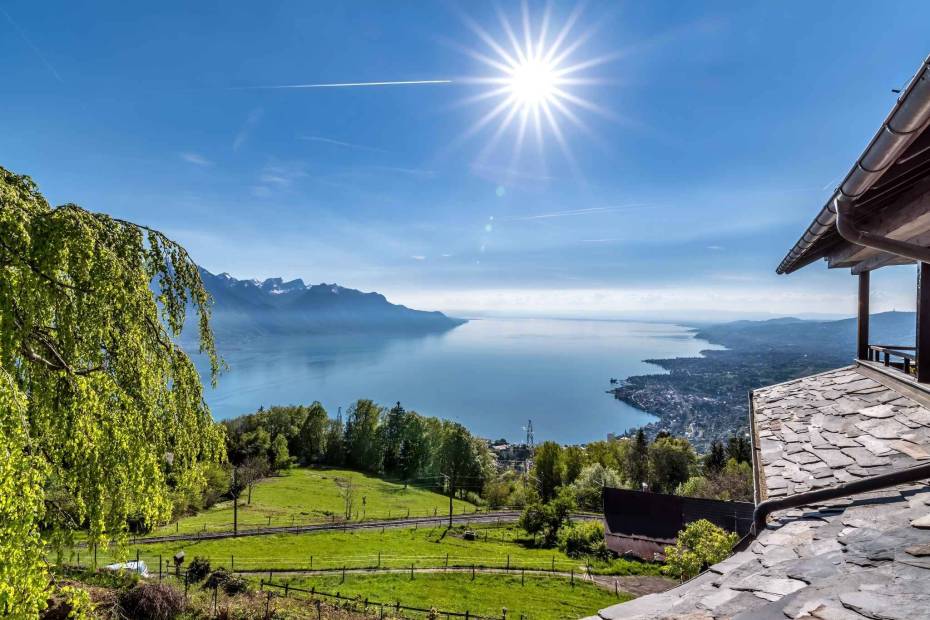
pixel 902 125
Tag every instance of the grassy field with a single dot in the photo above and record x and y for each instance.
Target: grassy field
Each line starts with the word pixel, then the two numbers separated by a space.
pixel 390 547
pixel 536 598
pixel 304 495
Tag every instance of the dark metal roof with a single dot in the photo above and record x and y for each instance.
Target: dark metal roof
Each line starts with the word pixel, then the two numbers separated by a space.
pixel 895 160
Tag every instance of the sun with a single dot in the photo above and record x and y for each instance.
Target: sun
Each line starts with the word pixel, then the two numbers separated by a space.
pixel 533 73
pixel 533 83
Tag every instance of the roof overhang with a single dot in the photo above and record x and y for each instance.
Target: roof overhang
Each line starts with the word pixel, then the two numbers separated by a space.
pixel 888 188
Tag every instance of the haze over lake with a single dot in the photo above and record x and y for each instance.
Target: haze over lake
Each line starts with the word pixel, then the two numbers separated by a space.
pixel 492 375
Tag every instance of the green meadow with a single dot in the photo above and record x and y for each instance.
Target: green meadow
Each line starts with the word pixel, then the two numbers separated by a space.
pixel 532 597
pixel 309 495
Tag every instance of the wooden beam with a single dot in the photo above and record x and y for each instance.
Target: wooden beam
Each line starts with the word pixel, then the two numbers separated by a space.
pixel 862 341
pixel 880 260
pixel 908 222
pixel 923 323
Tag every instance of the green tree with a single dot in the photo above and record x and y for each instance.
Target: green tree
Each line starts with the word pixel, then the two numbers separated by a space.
pixel 102 415
pixel 361 436
pixel 699 545
pixel 590 484
pixel 280 455
pixel 671 461
pixel 312 436
pixel 715 458
pixel 573 460
pixel 547 467
pixel 414 448
pixel 637 460
pixel 609 454
pixel 733 483
pixel 456 459
pixel 334 454
pixel 391 436
pixel 739 449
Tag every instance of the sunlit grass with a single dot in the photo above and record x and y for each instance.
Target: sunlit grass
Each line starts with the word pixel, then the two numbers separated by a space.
pixel 306 496
pixel 430 547
pixel 532 597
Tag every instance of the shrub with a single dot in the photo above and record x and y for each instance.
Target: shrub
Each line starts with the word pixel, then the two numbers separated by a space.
pixel 152 601
pixel 234 585
pixel 217 579
pixel 699 545
pixel 68 603
pixel 584 538
pixel 198 569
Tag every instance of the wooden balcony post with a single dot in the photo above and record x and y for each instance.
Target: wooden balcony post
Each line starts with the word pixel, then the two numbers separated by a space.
pixel 862 342
pixel 923 323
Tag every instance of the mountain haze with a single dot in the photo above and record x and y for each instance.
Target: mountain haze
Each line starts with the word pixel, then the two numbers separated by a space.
pixel 273 307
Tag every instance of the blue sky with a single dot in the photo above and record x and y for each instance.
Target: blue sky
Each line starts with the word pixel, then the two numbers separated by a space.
pixel 714 133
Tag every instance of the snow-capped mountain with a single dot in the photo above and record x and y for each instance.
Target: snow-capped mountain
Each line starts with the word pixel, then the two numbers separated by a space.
pixel 273 306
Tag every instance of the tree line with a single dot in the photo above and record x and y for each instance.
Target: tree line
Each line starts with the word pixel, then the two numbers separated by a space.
pixel 392 442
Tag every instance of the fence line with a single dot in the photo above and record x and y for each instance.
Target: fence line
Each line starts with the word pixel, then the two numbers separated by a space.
pixel 396 606
pixel 322 564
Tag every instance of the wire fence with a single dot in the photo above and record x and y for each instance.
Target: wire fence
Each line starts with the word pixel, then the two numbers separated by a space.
pixel 157 564
pixel 250 522
pixel 365 604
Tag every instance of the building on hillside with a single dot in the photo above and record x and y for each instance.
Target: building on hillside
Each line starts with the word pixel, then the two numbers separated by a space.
pixel 842 458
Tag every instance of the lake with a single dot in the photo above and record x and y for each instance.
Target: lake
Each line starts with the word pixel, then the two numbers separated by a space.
pixel 492 375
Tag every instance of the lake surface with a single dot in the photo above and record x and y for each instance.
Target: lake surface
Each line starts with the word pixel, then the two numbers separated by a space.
pixel 492 375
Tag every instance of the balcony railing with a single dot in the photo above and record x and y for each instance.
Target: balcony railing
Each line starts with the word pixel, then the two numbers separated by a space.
pixel 894 356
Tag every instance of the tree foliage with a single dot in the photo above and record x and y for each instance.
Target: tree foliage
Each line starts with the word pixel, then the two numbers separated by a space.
pixel 101 413
pixel 590 484
pixel 671 461
pixel 547 467
pixel 699 545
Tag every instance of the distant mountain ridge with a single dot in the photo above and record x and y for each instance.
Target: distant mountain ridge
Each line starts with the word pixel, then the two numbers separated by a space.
pixel 257 308
pixel 835 338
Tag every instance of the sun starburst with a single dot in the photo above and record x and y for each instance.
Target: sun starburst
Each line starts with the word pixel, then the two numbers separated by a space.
pixel 534 73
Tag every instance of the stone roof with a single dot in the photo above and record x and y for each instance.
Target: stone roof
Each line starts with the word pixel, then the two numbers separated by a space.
pixel 866 556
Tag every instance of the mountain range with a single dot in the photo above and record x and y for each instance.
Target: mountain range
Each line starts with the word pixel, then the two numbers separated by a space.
pixel 260 308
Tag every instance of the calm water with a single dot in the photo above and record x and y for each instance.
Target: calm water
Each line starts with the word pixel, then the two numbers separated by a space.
pixel 489 374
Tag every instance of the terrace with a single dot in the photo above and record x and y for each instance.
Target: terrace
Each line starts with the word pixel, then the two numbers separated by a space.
pixel 842 458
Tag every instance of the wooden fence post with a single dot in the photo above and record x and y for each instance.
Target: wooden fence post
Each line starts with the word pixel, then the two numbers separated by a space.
pixel 411 571
pixel 522 576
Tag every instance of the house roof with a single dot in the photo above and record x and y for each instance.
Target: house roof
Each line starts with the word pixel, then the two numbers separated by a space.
pixel 866 556
pixel 890 175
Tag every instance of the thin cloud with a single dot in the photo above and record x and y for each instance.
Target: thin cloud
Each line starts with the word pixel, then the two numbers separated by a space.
pixel 572 213
pixel 32 46
pixel 608 240
pixel 246 130
pixel 346 145
pixel 418 257
pixel 345 84
pixel 716 248
pixel 419 172
pixel 196 159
